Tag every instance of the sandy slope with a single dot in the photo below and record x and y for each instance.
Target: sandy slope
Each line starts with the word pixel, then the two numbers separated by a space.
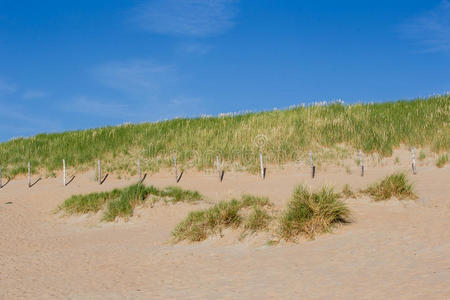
pixel 393 250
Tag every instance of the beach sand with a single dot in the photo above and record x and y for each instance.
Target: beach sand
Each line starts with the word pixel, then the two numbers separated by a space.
pixel 392 250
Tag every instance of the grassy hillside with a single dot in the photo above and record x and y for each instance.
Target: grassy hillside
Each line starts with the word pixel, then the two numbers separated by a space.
pixel 334 130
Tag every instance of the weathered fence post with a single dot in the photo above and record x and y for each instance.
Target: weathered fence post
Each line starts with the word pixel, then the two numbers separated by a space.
pixel 261 166
pixel 29 174
pixel 313 167
pixel 139 168
pixel 361 163
pixel 64 171
pixel 218 166
pixel 175 165
pixel 99 171
pixel 413 158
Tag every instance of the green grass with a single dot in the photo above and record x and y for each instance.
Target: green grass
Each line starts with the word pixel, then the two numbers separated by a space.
pixel 422 155
pixel 394 185
pixel 347 192
pixel 442 160
pixel 282 136
pixel 200 224
pixel 311 213
pixel 83 204
pixel 176 194
pixel 121 202
pixel 129 198
pixel 258 220
pixel 249 200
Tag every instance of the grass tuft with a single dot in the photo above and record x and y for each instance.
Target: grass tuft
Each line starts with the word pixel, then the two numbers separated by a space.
pixel 347 192
pixel 178 194
pixel 310 213
pixel 442 160
pixel 124 206
pixel 422 155
pixel 198 225
pixel 121 202
pixel 91 203
pixel 258 220
pixel 394 185
pixel 249 200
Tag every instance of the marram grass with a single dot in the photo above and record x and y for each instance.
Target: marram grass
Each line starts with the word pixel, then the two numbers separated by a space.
pixel 282 136
pixel 442 160
pixel 201 224
pixel 394 185
pixel 311 213
pixel 121 202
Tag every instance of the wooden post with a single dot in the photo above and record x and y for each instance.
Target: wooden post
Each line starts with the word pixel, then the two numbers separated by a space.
pixel 64 172
pixel 139 168
pixel 175 165
pixel 261 165
pixel 313 167
pixel 218 166
pixel 413 159
pixel 29 174
pixel 361 163
pixel 99 172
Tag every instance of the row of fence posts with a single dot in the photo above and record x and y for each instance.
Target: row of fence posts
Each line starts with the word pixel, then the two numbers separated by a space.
pixel 178 176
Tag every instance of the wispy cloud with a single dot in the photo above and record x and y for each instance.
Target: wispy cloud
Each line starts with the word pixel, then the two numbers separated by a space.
pixel 7 87
pixel 196 18
pixel 431 29
pixel 16 121
pixel 184 101
pixel 34 94
pixel 135 77
pixel 147 90
pixel 90 106
pixel 195 48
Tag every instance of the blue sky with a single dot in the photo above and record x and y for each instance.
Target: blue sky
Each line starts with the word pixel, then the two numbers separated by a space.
pixel 67 65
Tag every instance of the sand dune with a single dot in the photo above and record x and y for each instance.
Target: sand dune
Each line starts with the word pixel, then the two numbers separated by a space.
pixel 392 250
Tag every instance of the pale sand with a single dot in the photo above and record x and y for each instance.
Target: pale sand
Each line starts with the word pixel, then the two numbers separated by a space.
pixel 392 250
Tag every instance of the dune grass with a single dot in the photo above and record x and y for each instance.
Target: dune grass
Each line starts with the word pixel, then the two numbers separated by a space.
pixel 348 192
pixel 121 202
pixel 394 185
pixel 129 198
pixel 442 160
pixel 311 213
pixel 176 194
pixel 422 155
pixel 83 204
pixel 200 224
pixel 282 136
pixel 258 220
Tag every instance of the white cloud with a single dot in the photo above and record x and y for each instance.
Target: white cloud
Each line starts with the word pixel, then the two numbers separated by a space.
pixel 431 29
pixel 135 77
pixel 34 94
pixel 197 18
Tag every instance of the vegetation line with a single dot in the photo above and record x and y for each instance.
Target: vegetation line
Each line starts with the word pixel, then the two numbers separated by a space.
pixel 281 136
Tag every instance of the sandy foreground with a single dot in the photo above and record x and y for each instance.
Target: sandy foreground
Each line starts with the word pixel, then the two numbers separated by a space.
pixel 392 250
